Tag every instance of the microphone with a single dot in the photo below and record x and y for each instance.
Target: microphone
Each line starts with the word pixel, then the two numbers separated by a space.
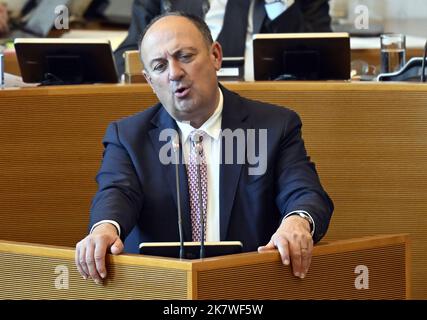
pixel 175 146
pixel 423 67
pixel 1 71
pixel 198 146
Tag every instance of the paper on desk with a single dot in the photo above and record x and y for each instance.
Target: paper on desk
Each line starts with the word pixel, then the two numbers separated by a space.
pixel 12 81
pixel 374 43
pixel 115 37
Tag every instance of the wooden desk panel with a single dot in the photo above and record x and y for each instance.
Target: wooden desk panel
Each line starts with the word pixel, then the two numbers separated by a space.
pixel 29 271
pixel 367 139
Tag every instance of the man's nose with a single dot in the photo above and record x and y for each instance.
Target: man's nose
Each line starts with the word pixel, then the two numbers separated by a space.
pixel 175 71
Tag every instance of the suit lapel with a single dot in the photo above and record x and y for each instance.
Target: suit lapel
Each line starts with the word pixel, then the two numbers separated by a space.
pixel 258 16
pixel 233 117
pixel 162 120
pixel 233 33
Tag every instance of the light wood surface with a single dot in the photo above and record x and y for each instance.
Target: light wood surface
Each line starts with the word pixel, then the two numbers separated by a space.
pixel 246 277
pixel 133 67
pixel 31 271
pixel 367 140
pixel 11 64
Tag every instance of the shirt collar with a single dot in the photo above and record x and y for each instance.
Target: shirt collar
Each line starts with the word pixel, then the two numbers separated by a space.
pixel 212 126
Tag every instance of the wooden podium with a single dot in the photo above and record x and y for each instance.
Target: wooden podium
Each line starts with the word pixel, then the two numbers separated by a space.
pixel 366 268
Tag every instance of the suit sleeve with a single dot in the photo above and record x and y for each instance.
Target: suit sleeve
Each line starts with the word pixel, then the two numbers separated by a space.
pixel 119 196
pixel 299 187
pixel 143 11
pixel 302 16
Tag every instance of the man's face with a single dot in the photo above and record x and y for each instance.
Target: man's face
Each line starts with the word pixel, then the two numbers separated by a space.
pixel 181 68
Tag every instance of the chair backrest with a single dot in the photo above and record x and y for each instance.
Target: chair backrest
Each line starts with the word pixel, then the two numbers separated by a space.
pixel 412 71
pixel 133 67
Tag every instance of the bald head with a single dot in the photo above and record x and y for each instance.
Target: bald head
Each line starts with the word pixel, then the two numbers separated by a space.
pixel 198 23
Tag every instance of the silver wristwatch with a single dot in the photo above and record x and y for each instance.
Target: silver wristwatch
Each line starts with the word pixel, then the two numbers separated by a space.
pixel 305 216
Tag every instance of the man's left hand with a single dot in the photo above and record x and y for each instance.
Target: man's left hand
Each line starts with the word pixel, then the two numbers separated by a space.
pixel 295 244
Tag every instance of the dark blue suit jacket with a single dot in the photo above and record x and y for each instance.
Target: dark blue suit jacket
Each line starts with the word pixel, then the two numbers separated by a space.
pixel 135 189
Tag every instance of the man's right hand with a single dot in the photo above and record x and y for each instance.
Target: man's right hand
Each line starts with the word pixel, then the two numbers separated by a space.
pixel 91 251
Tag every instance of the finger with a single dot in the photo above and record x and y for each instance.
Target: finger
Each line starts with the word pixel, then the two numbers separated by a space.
pixel 99 256
pixel 283 247
pixel 77 261
pixel 295 254
pixel 305 256
pixel 117 247
pixel 90 261
pixel 269 246
pixel 310 254
pixel 306 245
pixel 82 258
pixel 309 262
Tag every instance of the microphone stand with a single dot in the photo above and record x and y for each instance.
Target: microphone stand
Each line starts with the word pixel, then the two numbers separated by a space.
pixel 175 145
pixel 199 183
pixel 423 68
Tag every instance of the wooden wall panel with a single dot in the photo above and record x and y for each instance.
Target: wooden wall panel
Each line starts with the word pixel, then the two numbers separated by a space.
pixel 50 153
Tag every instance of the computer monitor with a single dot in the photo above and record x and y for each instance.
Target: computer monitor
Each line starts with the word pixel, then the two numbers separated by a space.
pixel 302 56
pixel 55 61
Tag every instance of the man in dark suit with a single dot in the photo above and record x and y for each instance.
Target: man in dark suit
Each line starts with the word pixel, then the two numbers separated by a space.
pixel 277 202
pixel 299 16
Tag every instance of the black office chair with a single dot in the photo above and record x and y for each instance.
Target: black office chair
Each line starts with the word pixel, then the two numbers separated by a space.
pixel 414 70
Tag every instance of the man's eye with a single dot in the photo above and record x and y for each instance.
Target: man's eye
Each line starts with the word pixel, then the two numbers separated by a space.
pixel 159 67
pixel 186 57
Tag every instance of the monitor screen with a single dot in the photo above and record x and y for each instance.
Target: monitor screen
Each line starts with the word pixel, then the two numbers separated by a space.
pixel 65 61
pixel 302 56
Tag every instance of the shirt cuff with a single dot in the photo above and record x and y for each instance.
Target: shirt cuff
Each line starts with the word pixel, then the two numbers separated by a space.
pixel 305 213
pixel 114 223
pixel 275 9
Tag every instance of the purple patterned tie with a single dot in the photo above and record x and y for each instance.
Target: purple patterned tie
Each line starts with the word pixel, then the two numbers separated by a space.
pixel 195 161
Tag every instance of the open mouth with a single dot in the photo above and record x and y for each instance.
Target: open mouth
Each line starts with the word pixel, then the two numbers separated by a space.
pixel 182 92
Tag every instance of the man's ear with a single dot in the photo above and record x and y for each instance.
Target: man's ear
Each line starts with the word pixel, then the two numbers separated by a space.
pixel 147 77
pixel 149 80
pixel 216 52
